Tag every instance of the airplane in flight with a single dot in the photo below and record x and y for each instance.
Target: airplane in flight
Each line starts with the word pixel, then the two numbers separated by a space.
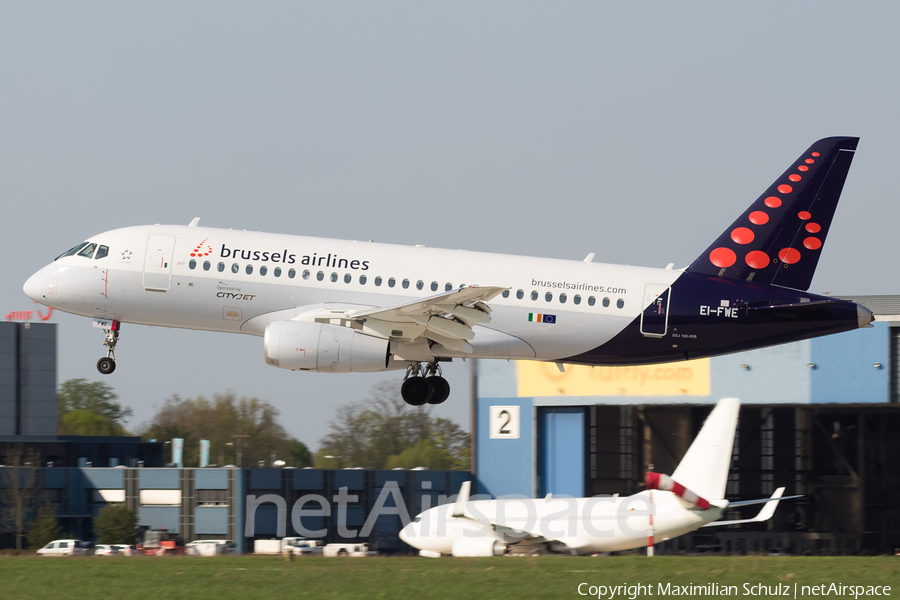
pixel 693 497
pixel 347 306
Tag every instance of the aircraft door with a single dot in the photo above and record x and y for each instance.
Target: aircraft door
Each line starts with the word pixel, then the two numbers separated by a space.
pixel 158 262
pixel 655 317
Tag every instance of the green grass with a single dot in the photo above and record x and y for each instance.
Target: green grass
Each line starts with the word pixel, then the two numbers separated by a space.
pixel 247 577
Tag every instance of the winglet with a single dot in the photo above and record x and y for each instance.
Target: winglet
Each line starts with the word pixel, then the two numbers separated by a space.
pixel 194 222
pixel 459 509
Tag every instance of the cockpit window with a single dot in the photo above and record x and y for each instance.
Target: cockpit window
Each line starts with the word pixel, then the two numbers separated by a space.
pixel 88 250
pixel 102 252
pixel 73 251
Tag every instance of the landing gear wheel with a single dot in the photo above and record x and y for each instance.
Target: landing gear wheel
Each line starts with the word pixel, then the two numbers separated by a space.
pixel 416 391
pixel 440 389
pixel 106 365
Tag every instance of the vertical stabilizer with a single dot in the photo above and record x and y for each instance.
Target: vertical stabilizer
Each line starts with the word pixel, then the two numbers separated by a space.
pixel 704 468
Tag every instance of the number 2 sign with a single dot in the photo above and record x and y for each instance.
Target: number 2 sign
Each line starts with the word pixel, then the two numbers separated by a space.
pixel 504 422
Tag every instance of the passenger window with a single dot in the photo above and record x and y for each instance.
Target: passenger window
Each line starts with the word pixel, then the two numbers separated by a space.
pixel 562 298
pixel 448 286
pixel 548 297
pixel 263 270
pixel 277 272
pixel 291 273
pixel 206 265
pixel 88 251
pixel 192 264
pixel 348 278
pixel 320 276
pixel 434 286
pixel 392 282
pixel 534 295
pixel 620 303
pixel 592 301
pixel 405 283
pixel 221 267
pixel 235 268
pixel 334 277
pixel 420 284
pixel 605 302
pixel 576 299
pixel 249 269
pixel 505 294
pixel 378 280
pixel 102 251
pixel 305 274
pixel 520 294
pixel 362 280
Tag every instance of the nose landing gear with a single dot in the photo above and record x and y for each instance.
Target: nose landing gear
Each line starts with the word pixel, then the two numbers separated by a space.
pixel 108 364
pixel 421 386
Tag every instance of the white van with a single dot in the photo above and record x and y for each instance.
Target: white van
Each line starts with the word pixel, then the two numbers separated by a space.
pixel 346 550
pixel 209 547
pixel 63 548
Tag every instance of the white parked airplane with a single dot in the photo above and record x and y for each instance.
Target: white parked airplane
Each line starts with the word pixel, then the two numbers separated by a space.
pixel 691 498
pixel 341 306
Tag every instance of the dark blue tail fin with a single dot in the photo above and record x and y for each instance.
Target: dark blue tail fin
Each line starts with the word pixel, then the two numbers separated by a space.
pixel 779 238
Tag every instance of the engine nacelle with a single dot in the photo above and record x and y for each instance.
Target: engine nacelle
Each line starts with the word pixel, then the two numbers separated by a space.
pixel 304 346
pixel 479 546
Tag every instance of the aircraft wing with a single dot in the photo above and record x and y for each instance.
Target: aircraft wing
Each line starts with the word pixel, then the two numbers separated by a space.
pixel 770 504
pixel 447 318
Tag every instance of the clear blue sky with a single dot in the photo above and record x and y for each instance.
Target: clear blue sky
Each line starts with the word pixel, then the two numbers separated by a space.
pixel 638 131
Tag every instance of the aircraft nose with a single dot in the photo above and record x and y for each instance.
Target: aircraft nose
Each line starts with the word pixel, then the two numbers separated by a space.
pixel 405 534
pixel 33 288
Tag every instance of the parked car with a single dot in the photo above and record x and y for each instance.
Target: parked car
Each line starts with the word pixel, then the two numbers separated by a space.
pixel 105 550
pixel 209 547
pixel 126 550
pixel 347 550
pixel 63 548
pixel 302 546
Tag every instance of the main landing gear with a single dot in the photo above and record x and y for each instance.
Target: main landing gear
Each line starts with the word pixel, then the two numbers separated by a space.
pixel 421 386
pixel 108 364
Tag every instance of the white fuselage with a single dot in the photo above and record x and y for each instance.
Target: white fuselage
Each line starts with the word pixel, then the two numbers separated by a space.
pixel 572 525
pixel 225 280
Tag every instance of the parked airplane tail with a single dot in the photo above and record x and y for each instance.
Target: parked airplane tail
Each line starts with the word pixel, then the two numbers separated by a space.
pixel 779 238
pixel 704 468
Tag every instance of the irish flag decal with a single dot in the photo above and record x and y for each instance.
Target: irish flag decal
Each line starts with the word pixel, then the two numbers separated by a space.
pixel 540 318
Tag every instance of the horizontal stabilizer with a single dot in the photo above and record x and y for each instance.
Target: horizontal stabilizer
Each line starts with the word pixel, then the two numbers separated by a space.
pixel 764 515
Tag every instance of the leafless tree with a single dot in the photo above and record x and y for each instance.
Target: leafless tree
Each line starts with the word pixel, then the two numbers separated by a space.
pixel 20 491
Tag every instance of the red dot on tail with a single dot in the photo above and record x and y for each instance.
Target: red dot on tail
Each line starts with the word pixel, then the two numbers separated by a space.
pixel 757 259
pixel 803 168
pixel 773 202
pixel 809 161
pixel 813 227
pixel 785 188
pixel 812 243
pixel 742 235
pixel 794 177
pixel 758 217
pixel 722 257
pixel 789 255
pixel 804 215
pixel 815 153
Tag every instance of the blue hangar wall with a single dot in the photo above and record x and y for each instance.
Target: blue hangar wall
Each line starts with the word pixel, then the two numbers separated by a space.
pixel 537 446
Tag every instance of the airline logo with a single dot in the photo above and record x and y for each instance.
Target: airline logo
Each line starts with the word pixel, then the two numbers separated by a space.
pixel 541 318
pixel 202 249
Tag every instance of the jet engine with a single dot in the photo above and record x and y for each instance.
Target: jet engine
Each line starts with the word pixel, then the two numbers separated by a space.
pixel 305 346
pixel 479 546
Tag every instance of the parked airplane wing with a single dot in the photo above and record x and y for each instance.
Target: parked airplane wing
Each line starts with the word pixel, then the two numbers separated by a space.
pixel 448 317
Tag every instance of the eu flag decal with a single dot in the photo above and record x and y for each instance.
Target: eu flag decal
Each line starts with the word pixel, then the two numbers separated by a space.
pixel 541 318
